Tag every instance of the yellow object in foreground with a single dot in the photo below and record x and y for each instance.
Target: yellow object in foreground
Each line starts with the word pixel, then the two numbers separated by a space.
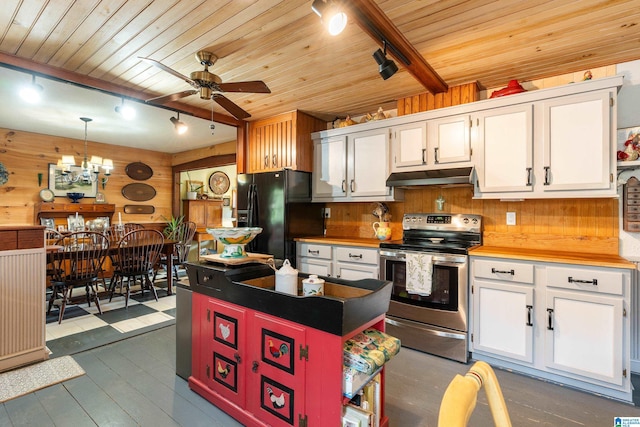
pixel 460 398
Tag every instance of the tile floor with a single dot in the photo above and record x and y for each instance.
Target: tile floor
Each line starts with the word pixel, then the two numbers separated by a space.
pixel 116 322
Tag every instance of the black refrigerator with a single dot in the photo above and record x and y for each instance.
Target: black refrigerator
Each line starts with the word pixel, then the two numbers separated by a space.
pixel 280 203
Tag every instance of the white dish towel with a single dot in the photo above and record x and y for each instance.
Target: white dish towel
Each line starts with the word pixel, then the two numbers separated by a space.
pixel 419 274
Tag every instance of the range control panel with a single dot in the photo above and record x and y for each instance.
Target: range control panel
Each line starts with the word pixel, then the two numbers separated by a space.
pixel 452 222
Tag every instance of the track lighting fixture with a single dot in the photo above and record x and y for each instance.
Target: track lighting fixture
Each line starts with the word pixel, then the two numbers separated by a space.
pixel 387 67
pixel 32 93
pixel 180 126
pixel 126 111
pixel 331 14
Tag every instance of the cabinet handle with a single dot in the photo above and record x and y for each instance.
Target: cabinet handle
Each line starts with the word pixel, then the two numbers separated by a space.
pixel 254 366
pixel 529 177
pixel 435 154
pixel 593 282
pixel 355 256
pixel 550 319
pixel 316 252
pixel 344 186
pixel 237 357
pixel 494 271
pixel 546 175
pixel 275 160
pixel 352 186
pixel 266 160
pixel 529 310
pixel 424 156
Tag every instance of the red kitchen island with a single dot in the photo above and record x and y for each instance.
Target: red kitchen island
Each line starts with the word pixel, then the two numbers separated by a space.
pixel 272 359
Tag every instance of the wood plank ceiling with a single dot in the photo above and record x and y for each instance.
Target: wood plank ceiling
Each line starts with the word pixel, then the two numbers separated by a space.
pixel 282 43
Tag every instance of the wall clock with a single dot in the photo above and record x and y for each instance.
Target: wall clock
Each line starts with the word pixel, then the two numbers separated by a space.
pixel 219 182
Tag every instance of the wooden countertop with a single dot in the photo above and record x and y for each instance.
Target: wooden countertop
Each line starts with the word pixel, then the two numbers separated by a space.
pixel 343 241
pixel 594 260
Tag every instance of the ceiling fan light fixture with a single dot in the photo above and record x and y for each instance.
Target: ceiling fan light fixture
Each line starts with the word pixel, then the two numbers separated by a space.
pixel 180 126
pixel 32 92
pixel 386 67
pixel 331 14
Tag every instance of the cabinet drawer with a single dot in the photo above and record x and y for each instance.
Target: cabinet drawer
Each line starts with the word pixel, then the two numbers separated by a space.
pixel 505 271
pixel 584 279
pixel 355 254
pixel 315 251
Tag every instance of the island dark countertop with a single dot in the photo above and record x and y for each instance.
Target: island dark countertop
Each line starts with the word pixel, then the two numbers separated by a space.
pixel 346 304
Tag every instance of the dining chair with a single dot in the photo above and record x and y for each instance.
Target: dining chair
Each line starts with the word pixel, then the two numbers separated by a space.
pixel 183 236
pixel 115 232
pixel 137 253
pixel 77 263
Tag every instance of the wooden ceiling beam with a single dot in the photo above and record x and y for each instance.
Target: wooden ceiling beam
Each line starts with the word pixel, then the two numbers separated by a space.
pixel 373 21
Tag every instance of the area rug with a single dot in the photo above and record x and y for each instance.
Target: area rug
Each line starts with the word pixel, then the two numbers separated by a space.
pixel 26 380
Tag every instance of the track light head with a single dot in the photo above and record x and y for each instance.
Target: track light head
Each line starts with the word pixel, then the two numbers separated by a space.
pixel 126 111
pixel 32 93
pixel 331 14
pixel 386 67
pixel 180 126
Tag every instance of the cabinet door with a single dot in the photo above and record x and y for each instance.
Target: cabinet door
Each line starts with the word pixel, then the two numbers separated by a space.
pixel 503 320
pixel 226 364
pixel 577 142
pixel 276 386
pixel 584 336
pixel 351 271
pixel 270 145
pixel 321 267
pixel 195 210
pixel 368 163
pixel 330 168
pixel 448 140
pixel 505 145
pixel 409 146
pixel 214 213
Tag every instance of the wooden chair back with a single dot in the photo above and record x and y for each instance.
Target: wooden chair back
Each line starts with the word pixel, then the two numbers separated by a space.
pixel 139 251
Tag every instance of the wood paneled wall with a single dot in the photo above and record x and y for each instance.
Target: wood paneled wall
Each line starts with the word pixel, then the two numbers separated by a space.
pixel 573 225
pixel 26 154
pixel 426 101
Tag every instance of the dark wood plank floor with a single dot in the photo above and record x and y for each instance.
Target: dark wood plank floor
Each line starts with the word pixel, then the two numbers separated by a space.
pixel 132 383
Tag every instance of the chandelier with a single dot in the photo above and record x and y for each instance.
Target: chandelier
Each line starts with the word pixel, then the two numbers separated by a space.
pixel 90 168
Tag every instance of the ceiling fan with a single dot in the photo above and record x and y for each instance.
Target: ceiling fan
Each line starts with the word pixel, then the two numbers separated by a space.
pixel 209 85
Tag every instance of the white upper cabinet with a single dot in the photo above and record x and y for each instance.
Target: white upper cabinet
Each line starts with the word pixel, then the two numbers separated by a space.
pixel 330 167
pixel 367 163
pixel 549 143
pixel 577 138
pixel 505 149
pixel 353 167
pixel 409 146
pixel 449 140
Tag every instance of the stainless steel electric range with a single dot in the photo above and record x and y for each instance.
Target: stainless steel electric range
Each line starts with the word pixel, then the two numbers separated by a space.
pixel 436 323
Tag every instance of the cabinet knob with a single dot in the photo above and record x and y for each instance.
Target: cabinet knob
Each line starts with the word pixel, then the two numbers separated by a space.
pixel 546 175
pixel 254 366
pixel 266 161
pixel 529 313
pixel 237 357
pixel 352 186
pixel 435 154
pixel 355 256
pixel 511 272
pixel 550 319
pixel 529 183
pixel 593 282
pixel 274 162
pixel 344 186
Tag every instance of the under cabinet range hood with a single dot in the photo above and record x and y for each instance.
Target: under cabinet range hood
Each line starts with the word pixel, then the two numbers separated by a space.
pixel 454 176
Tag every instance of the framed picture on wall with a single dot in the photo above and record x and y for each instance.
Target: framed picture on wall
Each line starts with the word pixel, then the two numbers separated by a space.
pixel 61 187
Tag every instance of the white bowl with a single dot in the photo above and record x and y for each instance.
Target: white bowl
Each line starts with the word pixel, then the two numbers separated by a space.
pixel 234 239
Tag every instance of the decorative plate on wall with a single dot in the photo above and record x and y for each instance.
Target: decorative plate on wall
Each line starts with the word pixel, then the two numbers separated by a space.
pixel 138 192
pixel 139 209
pixel 219 182
pixel 138 171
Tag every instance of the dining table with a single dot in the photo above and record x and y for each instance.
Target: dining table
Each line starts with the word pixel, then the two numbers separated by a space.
pixel 167 250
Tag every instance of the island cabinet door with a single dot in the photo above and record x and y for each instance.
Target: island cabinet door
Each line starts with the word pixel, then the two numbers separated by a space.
pixel 278 354
pixel 226 362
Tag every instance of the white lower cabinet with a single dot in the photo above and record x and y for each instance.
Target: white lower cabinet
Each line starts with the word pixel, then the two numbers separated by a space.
pixel 345 262
pixel 563 322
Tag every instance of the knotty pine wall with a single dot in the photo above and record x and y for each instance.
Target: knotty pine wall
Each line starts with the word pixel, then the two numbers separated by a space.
pixel 26 154
pixel 585 225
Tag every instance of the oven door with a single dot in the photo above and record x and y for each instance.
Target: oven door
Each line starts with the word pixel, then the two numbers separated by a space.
pixel 446 306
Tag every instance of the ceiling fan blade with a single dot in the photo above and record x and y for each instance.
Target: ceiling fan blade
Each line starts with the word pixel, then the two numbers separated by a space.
pixel 228 105
pixel 173 97
pixel 170 71
pixel 256 86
